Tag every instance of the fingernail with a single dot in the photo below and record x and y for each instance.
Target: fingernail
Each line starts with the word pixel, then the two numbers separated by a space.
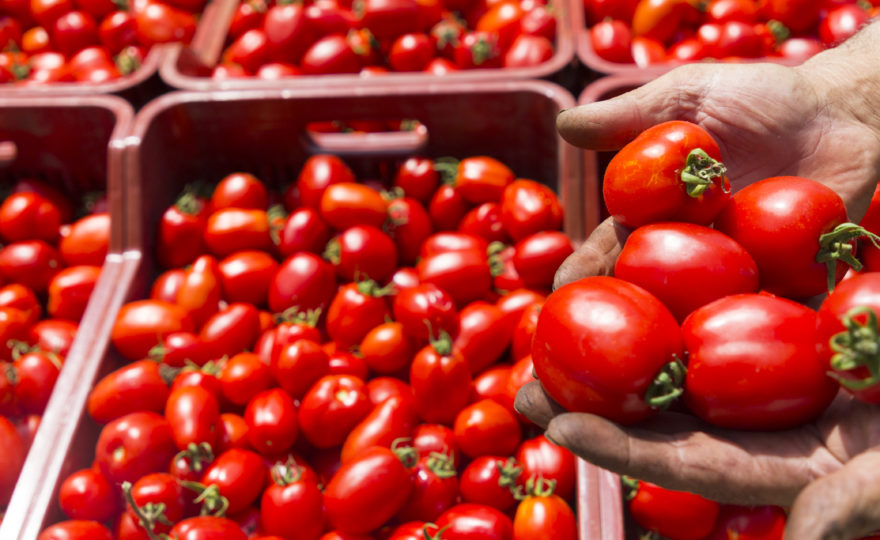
pixel 549 438
pixel 562 111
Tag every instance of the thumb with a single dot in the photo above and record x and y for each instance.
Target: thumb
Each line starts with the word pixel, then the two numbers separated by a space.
pixel 842 505
pixel 610 124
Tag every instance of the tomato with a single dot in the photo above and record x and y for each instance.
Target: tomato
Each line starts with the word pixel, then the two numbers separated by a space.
pixel 538 256
pixel 29 216
pixel 387 349
pixel 528 51
pixel 388 19
pixel 193 413
pixel 492 384
pixel 76 530
pixel 544 515
pixel 86 495
pixel 674 514
pixel 319 172
pixel 303 280
pixel 141 323
pixel 686 266
pixel 434 488
pixel 45 12
pixel 347 204
pixel 479 179
pixel 207 528
pixel 86 241
pixel 250 50
pixel 240 190
pixel 842 23
pixel 502 19
pixel 484 335
pixel 292 505
pixel 411 52
pixel 245 276
pixel 392 419
pixel 200 292
pixel 847 324
pixel 739 39
pixel 749 523
pixel 17 296
pixel 491 481
pixel 179 349
pixel 417 178
pixel 54 335
pixel 243 377
pixel 646 51
pixel 689 180
pixel 439 370
pixel 771 332
pixel 14 453
pixel 446 35
pixel 504 275
pixel 409 224
pixel 304 230
pixel 35 374
pixel 801 211
pixel 272 423
pixel 425 311
pixel 232 433
pixel 298 365
pixel 329 55
pixel 469 521
pixel 13 328
pixel 465 275
pixel 721 11
pixel 361 252
pixel 484 221
pixel 659 19
pixel 413 530
pixel 231 330
pixel 444 242
pixel 797 15
pixel 367 491
pixel 70 290
pixel 117 31
pixel 800 48
pixel 332 408
pixel 160 23
pixel 33 263
pixel 597 10
pixel 541 458
pixel 577 353
pixel 234 229
pixel 487 428
pixel 528 207
pixel 239 475
pixel 688 50
pixel 134 445
pixel 35 41
pixel 74 31
pixel 516 302
pixel 447 207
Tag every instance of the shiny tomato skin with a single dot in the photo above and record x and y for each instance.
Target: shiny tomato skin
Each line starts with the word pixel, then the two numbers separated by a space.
pixel 465 275
pixel 245 276
pixel 381 388
pixel 797 209
pixel 390 420
pixel 76 530
pixel 140 324
pixel 29 216
pixel 541 458
pixel 231 330
pixel 749 523
pixel 272 422
pixel 317 173
pixel 193 413
pixel 659 19
pixel 331 54
pixel 207 528
pixel 200 292
pixel 482 179
pixel 235 229
pixel 69 291
pixel 434 489
pixel 239 475
pixel 303 280
pixel 32 263
pixel 425 310
pixel 409 225
pixel 87 495
pixel 468 521
pixel 418 178
pixel 528 51
pixel 612 41
pixel 492 384
pixel 487 428
pixel 433 374
pixel 87 240
pixel 134 445
pixel 161 488
pixel 577 354
pixel 347 204
pixel 660 153
pixel 646 52
pixel 798 15
pixel 443 242
pixel 490 480
pixel 411 52
pixel 356 309
pixel 240 190
pixel 367 491
pixel 181 231
pixel 292 506
pixel 686 266
pixel 539 255
pixel 36 373
pixel 528 207
pixel 484 334
pixel 160 23
pixel 54 335
pixel 298 365
pixel 244 376
pixel 766 342
pixel 800 48
pixel 361 252
pixel 484 221
pixel 387 349
pixel 447 207
pixel 676 514
pixel 16 295
pixel 287 32
pixel 304 230
pixel 516 302
pixel 332 408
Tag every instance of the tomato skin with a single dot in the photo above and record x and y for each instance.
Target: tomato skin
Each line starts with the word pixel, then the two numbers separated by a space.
pixel 207 528
pixel 528 207
pixel 411 52
pixel 482 179
pixel 29 216
pixel 332 408
pixel 239 475
pixel 200 292
pixel 181 231
pixel 409 225
pixel 298 365
pixel 798 15
pixel 434 489
pixel 484 334
pixel 489 480
pixel 244 376
pixel 487 428
pixel 304 230
pixel 674 514
pixel 392 419
pixel 433 374
pixel 134 445
pixel 272 422
pixel 647 52
pixel 33 263
pixel 54 335
pixel 425 310
pixel 331 54
pixel 686 266
pixel 142 322
pixel 70 290
pixel 240 190
pixel 193 413
pixel 387 349
pixel 36 373
pixel 576 350
pixel 303 280
pixel 231 330
pixel 292 506
pixel 771 332
pixel 798 209
pixel 660 152
pixel 447 207
pixel 16 295
pixel 471 521
pixel 492 384
pixel 418 178
pixel 361 252
pixel 160 23
pixel 367 491
pixel 14 455
pixel 319 172
pixel 76 530
pixel 800 48
pixel 86 495
pixel 465 275
pixel 538 517
pixel 749 523
pixel 245 276
pixel 539 255
pixel 347 204
pixel 235 229
pixel 444 242
pixel 540 457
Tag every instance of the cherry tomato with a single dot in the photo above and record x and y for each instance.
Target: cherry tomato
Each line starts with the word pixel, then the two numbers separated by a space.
pixel 611 40
pixel 117 31
pixel 87 495
pixel 477 50
pixel 141 323
pixel 540 458
pixel 239 476
pixel 425 310
pixel 292 505
pixel 33 263
pixel 35 374
pixel 272 423
pixel 447 207
pixel 542 515
pixel 539 255
pixel 330 55
pixel 231 330
pixel 304 230
pixel 332 408
pixel 465 275
pixel 409 224
pixel 234 229
pixel 319 172
pixel 245 276
pixel 484 335
pixel 240 190
pixel 646 51
pixel 29 216
pixel 439 370
pixel 750 523
pixel 356 309
pixel 76 530
pixel 676 514
pixel 70 290
pixel 484 221
pixel 299 365
pixel 392 419
pixel 243 377
pixel 468 520
pixel 528 207
pixel 797 15
pixel 434 488
pixel 160 23
pixel 491 481
pixel 303 280
pixel 487 428
pixel 15 295
pixel 192 413
pixel 361 252
pixel 387 348
pixel 417 178
pixel 134 445
pixel 207 528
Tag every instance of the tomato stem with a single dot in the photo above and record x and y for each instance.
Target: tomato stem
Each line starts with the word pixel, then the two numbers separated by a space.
pixel 631 485
pixel 667 385
pixel 442 465
pixel 837 246
pixel 197 455
pixel 407 454
pixel 857 347
pixel 448 169
pixel 442 344
pixel 286 473
pixel 147 515
pixel 213 503
pixel 700 171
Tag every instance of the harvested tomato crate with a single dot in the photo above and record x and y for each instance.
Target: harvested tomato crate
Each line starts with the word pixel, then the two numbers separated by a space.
pixel 75 143
pixel 189 68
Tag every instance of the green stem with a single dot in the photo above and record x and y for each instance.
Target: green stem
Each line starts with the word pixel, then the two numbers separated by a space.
pixel 631 487
pixel 700 171
pixel 667 385
pixel 837 246
pixel 857 347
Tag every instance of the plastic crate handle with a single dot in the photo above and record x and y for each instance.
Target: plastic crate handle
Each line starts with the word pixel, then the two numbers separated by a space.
pixel 408 141
pixel 8 153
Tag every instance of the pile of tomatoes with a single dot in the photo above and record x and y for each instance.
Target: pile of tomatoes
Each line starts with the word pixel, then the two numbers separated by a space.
pixel 334 360
pixel 49 265
pixel 651 32
pixel 272 40
pixel 90 41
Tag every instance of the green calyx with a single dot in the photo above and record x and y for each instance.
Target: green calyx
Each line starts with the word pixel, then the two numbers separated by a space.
pixel 149 515
pixel 509 473
pixel 536 486
pixel 286 473
pixel 630 487
pixel 293 315
pixel 213 503
pixel 442 344
pixel 197 456
pixel 857 347
pixel 837 246
pixel 667 386
pixel 368 287
pixel 700 172
pixel 406 453
pixel 442 465
pixel 448 169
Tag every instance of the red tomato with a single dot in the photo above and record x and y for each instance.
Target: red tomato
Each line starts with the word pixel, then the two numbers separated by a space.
pixel 207 528
pixel 330 55
pixel 332 408
pixel 491 481
pixel 70 290
pixel 439 370
pixel 356 309
pixel 528 207
pixel 276 70
pixel 181 231
pixel 444 242
pixel 487 428
pixel 76 530
pixel 660 19
pixel 686 266
pixel 245 276
pixel 387 19
pixel 492 384
pixel 141 323
pixel 381 388
pixel 479 179
pixel 540 458
pixel 160 23
pixel 361 252
pixel 797 15
pixel 240 190
pixel 367 491
pixel 243 377
pixel 180 349
pixel 200 292
pixel 347 204
pixel 417 178
pixel 771 332
pixel 467 521
pixel 721 11
pixel 32 263
pixel 434 488
pixel 35 374
pixel 800 48
pixel 231 330
pixel 387 349
pixel 192 413
pixel 502 19
pixel 801 211
pixel 304 230
pixel 484 335
pixel 465 275
pixel 411 52
pixel 538 256
pixel 390 420
pixel 298 365
pixel 232 433
pixel 689 180
pixel 516 302
pixel 239 476
pixel 447 207
pixel 409 224
pixel 612 40
pixel 250 50
pixel 45 12
pixel 271 420
pixel 484 221
pixel 87 495
pixel 13 328
pixel 14 452
pixel 688 50
pixel 19 297
pixel 235 229
pixel 675 514
pixel 426 311
pixel 319 172
pixel 646 51
pixel 292 505
pixel 287 32
pixel 749 523
pixel 303 280
pixel 29 216
pixel 134 445
pixel 74 31
pixel 739 39
pixel 841 23
pixel 577 353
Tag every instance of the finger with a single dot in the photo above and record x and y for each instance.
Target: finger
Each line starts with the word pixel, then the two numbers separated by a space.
pixel 682 453
pixel 596 256
pixel 841 505
pixel 610 124
pixel 534 403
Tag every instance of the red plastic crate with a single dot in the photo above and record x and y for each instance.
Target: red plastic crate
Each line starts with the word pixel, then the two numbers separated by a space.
pixel 78 143
pixel 189 68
